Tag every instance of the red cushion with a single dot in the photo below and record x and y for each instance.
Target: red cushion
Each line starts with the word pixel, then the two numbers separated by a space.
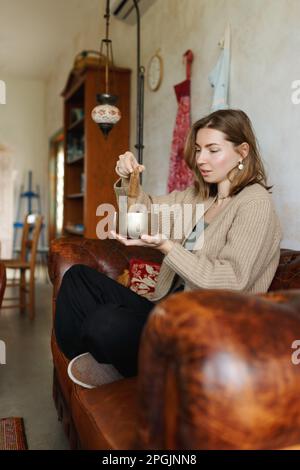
pixel 143 276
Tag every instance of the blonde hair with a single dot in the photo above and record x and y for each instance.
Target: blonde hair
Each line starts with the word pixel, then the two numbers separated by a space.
pixel 237 128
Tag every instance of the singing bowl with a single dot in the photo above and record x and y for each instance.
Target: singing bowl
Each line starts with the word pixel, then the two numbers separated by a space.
pixel 134 224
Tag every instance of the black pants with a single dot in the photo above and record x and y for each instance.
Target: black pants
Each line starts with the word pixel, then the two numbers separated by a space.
pixel 98 315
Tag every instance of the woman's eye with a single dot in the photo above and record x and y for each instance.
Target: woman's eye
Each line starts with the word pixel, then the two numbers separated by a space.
pixel 197 150
pixel 214 150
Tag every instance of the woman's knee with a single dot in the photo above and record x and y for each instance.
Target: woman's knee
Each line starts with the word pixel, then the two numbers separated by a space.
pixel 70 285
pixel 74 275
pixel 77 271
pixel 74 271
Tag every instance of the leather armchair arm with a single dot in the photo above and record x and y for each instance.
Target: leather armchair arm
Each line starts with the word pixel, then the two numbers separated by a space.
pixel 216 372
pixel 2 281
pixel 287 275
pixel 107 256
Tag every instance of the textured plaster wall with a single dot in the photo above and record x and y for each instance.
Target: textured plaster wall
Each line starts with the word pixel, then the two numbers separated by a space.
pixel 265 38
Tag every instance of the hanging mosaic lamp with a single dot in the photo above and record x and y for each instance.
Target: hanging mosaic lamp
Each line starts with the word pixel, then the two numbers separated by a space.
pixel 106 114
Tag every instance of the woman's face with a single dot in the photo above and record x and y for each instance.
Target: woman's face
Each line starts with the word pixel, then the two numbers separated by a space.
pixel 215 156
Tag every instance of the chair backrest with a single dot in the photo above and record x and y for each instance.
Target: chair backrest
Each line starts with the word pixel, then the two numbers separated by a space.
pixel 30 237
pixel 2 281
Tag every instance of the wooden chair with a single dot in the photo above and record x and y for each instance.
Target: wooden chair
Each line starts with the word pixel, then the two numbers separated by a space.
pixel 26 262
pixel 2 282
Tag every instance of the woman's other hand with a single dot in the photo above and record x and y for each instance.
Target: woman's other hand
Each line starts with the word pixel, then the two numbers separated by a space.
pixel 126 164
pixel 159 241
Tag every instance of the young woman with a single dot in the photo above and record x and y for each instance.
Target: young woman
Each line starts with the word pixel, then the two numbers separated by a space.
pixel 98 321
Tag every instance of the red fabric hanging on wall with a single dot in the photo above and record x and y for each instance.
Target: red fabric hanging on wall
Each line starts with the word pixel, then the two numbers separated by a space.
pixel 180 176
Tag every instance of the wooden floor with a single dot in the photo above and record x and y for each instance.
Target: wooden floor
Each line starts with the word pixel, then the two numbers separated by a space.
pixel 26 378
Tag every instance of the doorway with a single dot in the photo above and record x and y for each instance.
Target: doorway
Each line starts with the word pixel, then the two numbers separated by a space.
pixel 56 185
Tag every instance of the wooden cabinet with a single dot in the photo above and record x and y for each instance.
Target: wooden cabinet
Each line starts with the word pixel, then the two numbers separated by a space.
pixel 90 159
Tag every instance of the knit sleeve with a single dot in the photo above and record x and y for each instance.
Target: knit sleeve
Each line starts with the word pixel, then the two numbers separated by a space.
pixel 249 242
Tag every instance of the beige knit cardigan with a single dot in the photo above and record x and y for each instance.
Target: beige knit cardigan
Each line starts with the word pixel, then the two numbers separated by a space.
pixel 241 246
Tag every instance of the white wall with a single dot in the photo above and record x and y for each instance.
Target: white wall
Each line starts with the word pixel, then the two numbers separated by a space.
pixel 265 58
pixel 23 130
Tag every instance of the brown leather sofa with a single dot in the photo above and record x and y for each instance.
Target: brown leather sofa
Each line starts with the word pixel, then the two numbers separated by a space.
pixel 215 368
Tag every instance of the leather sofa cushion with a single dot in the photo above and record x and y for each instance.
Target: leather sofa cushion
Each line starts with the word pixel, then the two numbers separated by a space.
pixel 106 417
pixel 61 367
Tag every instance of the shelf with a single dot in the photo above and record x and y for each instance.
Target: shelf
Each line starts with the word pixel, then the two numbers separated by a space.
pixel 75 196
pixel 75 160
pixel 73 230
pixel 84 145
pixel 76 124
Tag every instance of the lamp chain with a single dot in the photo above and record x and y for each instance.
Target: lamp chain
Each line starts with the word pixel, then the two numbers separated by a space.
pixel 108 46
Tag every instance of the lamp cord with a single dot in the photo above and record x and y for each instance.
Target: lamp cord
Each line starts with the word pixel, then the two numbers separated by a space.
pixel 140 92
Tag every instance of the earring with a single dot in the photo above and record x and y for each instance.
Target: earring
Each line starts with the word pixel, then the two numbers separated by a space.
pixel 241 165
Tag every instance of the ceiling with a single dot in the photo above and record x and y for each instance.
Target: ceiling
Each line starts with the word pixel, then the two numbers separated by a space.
pixel 33 32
